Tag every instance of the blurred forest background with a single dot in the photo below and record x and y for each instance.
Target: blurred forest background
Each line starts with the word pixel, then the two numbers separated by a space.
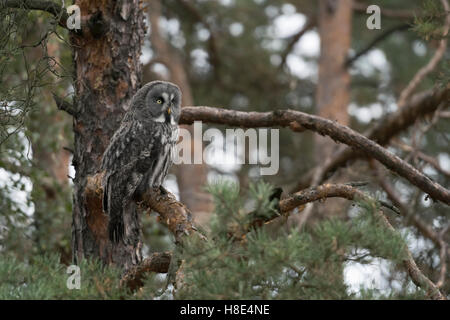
pixel 247 55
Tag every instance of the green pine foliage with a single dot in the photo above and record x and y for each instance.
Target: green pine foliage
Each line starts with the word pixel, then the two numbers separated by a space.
pixel 282 264
pixel 431 20
pixel 429 26
pixel 44 277
pixel 265 263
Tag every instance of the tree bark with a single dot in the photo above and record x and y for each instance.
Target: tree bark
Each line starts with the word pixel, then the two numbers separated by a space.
pixel 335 27
pixel 107 74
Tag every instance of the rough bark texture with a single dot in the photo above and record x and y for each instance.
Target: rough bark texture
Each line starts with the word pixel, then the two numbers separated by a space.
pixel 158 262
pixel 107 74
pixel 172 213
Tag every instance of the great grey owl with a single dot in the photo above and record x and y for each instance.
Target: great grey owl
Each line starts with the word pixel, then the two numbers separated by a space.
pixel 139 155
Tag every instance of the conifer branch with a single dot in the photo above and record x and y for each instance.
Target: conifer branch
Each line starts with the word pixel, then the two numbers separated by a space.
pixel 334 130
pixel 158 262
pixel 64 105
pixel 414 272
pixel 421 105
pixel 431 65
pixel 172 213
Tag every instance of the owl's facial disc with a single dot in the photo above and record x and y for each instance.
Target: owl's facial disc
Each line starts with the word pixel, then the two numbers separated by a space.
pixel 162 103
pixel 166 104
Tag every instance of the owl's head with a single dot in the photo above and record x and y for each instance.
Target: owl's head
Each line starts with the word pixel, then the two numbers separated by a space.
pixel 159 101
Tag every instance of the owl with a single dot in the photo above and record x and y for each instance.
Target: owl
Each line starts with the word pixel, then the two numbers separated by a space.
pixel 139 155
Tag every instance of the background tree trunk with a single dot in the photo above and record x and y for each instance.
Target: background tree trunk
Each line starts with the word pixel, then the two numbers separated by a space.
pixel 107 74
pixel 333 88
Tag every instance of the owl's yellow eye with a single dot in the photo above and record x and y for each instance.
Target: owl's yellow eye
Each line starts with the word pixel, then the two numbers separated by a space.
pixel 159 101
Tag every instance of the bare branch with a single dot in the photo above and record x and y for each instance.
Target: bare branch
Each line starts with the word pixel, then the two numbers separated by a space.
pixel 334 130
pixel 414 272
pixel 422 226
pixel 421 105
pixel 303 197
pixel 375 41
pixel 432 161
pixel 311 23
pixel 64 105
pixel 443 258
pixel 346 191
pixel 444 114
pixel 158 262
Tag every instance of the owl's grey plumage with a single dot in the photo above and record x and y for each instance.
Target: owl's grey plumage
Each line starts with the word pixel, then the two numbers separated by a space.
pixel 140 154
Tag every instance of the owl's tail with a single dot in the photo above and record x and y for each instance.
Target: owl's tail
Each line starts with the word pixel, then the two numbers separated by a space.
pixel 112 206
pixel 123 225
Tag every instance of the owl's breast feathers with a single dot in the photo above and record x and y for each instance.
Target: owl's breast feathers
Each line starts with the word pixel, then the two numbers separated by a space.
pixel 139 156
pixel 138 143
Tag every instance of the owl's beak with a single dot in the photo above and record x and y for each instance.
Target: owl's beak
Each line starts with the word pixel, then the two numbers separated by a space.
pixel 169 111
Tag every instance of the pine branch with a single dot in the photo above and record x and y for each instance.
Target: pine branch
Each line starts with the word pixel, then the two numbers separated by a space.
pixel 336 131
pixel 414 272
pixel 310 24
pixel 419 106
pixel 322 192
pixel 412 218
pixel 375 41
pixel 431 65
pixel 172 213
pixel 350 193
pixel 64 105
pixel 158 262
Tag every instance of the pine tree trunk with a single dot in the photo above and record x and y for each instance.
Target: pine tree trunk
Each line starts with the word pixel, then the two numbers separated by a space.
pixel 107 74
pixel 333 88
pixel 335 28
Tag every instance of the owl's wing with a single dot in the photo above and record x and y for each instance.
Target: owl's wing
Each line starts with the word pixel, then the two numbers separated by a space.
pixel 125 163
pixel 120 151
